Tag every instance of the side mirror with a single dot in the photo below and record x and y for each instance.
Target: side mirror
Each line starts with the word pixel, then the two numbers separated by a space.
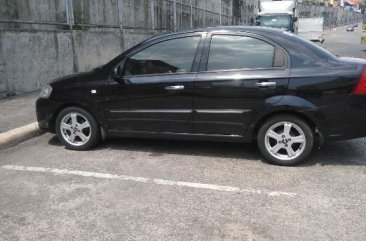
pixel 257 22
pixel 294 19
pixel 117 73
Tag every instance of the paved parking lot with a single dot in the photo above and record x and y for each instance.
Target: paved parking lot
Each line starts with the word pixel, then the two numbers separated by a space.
pixel 130 189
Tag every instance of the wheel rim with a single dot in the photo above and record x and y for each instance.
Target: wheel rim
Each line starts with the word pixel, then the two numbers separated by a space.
pixel 75 129
pixel 285 140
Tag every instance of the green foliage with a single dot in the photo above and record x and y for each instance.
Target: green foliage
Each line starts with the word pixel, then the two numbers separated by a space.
pixel 78 19
pixel 4 13
pixel 78 16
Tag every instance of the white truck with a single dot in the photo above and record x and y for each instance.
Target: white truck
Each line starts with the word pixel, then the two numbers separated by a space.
pixel 283 14
pixel 311 29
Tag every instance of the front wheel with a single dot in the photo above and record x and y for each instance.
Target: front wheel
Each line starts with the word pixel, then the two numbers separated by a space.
pixel 77 129
pixel 285 140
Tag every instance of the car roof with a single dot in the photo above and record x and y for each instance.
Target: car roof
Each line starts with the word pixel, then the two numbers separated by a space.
pixel 254 29
pixel 302 51
pixel 289 41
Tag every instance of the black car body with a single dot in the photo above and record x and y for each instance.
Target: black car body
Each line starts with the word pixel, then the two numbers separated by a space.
pixel 209 103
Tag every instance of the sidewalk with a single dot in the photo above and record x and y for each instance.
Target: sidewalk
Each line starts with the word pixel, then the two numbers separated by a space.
pixel 17 111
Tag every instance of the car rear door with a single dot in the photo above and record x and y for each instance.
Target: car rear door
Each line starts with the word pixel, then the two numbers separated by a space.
pixel 239 75
pixel 154 92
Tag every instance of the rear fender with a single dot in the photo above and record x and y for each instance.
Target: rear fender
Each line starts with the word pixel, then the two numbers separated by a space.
pixel 290 105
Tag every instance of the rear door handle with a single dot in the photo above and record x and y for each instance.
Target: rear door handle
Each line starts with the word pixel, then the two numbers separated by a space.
pixel 266 84
pixel 175 87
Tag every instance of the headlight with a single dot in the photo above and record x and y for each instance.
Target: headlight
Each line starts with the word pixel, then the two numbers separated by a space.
pixel 46 91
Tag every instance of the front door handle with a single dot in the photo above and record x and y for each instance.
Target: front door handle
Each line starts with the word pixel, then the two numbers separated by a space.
pixel 266 84
pixel 175 87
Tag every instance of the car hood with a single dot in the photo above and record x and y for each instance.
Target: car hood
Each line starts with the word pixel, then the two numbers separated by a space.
pixel 75 79
pixel 71 77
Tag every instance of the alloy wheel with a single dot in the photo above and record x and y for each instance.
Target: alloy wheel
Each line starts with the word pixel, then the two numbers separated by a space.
pixel 285 140
pixel 75 129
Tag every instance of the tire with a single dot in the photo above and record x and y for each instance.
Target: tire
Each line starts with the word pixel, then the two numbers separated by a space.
pixel 280 134
pixel 77 129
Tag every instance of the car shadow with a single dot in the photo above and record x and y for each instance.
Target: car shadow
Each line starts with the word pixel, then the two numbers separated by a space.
pixel 340 153
pixel 335 153
pixel 158 148
pixel 54 141
pixel 195 148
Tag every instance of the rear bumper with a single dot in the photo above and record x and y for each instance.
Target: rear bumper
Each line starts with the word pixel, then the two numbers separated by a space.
pixel 346 121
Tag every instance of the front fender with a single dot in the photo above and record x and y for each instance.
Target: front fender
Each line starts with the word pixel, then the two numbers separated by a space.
pixel 86 100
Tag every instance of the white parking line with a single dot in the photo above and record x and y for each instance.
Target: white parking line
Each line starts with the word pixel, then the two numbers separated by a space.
pixel 150 180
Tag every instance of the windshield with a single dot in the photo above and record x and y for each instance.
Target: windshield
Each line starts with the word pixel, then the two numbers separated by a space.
pixel 279 21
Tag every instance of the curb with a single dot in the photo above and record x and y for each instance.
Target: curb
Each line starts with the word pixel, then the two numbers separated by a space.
pixel 18 135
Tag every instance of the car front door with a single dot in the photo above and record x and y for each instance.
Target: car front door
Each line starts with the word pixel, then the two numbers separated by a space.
pixel 239 75
pixel 150 90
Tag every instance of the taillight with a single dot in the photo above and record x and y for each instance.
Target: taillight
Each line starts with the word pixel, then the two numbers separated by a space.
pixel 361 86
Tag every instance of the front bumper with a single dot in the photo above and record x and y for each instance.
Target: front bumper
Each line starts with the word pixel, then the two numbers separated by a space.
pixel 45 110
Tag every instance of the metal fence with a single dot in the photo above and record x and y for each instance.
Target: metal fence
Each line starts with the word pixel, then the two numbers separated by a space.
pixel 169 14
pixel 333 16
pixel 147 14
pixel 140 14
pixel 40 12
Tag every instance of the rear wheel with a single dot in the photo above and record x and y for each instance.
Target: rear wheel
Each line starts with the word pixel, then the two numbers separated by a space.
pixel 77 129
pixel 285 140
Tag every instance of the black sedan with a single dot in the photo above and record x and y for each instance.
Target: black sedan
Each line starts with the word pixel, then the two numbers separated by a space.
pixel 237 84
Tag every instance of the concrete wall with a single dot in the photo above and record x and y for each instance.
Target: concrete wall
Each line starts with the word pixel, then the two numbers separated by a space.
pixel 29 59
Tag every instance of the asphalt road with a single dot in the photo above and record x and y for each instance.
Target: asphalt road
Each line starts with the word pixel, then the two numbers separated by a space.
pixel 130 189
pixel 343 43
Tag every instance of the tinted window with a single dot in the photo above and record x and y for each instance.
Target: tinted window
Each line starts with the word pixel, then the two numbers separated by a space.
pixel 237 52
pixel 172 56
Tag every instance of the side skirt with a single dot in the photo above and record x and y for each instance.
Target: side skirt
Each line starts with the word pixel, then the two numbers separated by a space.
pixel 178 136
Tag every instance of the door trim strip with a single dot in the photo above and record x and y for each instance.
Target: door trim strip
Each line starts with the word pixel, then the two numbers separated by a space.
pixel 152 111
pixel 185 111
pixel 222 111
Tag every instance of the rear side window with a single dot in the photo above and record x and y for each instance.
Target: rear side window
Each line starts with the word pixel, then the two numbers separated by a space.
pixel 239 52
pixel 171 56
pixel 312 47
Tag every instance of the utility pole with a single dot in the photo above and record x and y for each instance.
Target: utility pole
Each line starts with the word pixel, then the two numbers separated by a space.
pixel 175 14
pixel 191 14
pixel 152 11
pixel 70 13
pixel 220 12
pixel 120 14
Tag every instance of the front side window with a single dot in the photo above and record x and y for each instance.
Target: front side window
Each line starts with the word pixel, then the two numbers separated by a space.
pixel 171 56
pixel 239 52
